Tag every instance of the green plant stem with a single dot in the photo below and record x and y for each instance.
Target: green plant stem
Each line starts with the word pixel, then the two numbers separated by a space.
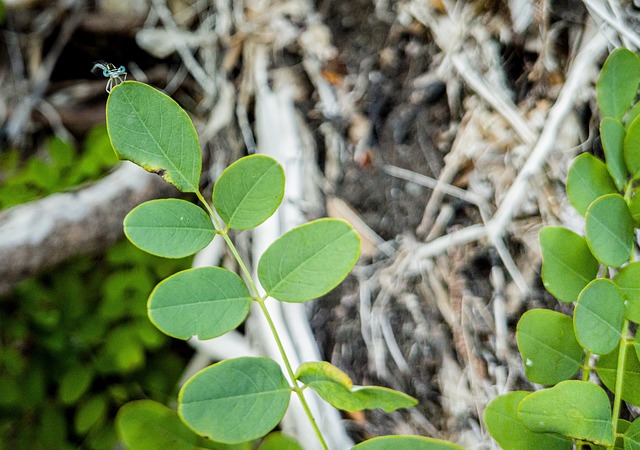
pixel 586 368
pixel 265 311
pixel 622 354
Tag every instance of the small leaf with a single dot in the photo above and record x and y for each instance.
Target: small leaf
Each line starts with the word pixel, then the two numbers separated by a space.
pixel 308 261
pixel 89 413
pixel 151 130
pixel 249 191
pixel 628 281
pixel 609 230
pixel 406 443
pixel 612 134
pixel 75 383
pixel 548 346
pixel 598 316
pixel 504 425
pixel 606 367
pixel 566 273
pixel 617 84
pixel 587 180
pixel 632 436
pixel 206 302
pixel 335 387
pixel 577 409
pixel 169 228
pixel 634 207
pixel 148 425
pixel 235 400
pixel 279 441
pixel 630 148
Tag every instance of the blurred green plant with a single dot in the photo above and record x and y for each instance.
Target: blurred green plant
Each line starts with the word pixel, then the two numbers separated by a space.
pixel 58 167
pixel 75 344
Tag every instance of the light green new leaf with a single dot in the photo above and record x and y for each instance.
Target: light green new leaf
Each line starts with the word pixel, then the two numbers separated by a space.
pixel 566 273
pixel 631 148
pixel 548 346
pixel 406 443
pixel 308 261
pixel 90 413
pixel 617 84
pixel 249 191
pixel 336 388
pixel 504 425
pixel 606 367
pixel 206 302
pixel 279 441
pixel 612 134
pixel 632 436
pixel 577 409
pixel 609 230
pixel 148 425
pixel 235 400
pixel 587 180
pixel 628 281
pixel 598 316
pixel 153 131
pixel 170 228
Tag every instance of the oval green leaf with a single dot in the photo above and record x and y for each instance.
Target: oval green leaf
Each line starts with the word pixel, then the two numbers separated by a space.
pixel 631 148
pixel 577 409
pixel 587 180
pixel 549 349
pixel 504 425
pixel 235 400
pixel 249 191
pixel 90 413
pixel 170 228
pixel 609 230
pixel 406 443
pixel 612 134
pixel 617 84
pixel 148 425
pixel 279 441
pixel 565 273
pixel 598 316
pixel 632 436
pixel 335 387
pixel 75 383
pixel 206 302
pixel 150 129
pixel 634 207
pixel 628 281
pixel 308 261
pixel 606 367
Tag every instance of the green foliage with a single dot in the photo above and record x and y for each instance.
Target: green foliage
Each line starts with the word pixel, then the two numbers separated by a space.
pixel 575 270
pixel 406 443
pixel 59 167
pixel 75 344
pixel 240 399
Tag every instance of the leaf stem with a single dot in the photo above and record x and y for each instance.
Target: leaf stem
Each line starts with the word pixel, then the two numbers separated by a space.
pixel 622 354
pixel 263 307
pixel 586 369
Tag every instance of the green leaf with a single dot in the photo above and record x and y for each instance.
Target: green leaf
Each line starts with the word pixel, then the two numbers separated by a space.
pixel 634 207
pixel 89 413
pixel 249 191
pixel 628 281
pixel 631 147
pixel 606 367
pixel 504 425
pixel 170 228
pixel 235 400
pixel 577 409
pixel 548 346
pixel 206 302
pixel 598 316
pixel 609 230
pixel 279 441
pixel 151 130
pixel 406 443
pixel 308 261
pixel 632 436
pixel 336 388
pixel 75 383
pixel 617 84
pixel 587 180
pixel 566 273
pixel 612 134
